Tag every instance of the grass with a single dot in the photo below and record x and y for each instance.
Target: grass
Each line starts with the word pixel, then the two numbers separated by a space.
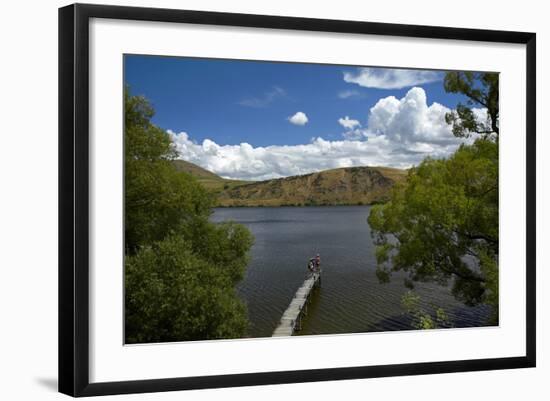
pixel 208 179
pixel 341 186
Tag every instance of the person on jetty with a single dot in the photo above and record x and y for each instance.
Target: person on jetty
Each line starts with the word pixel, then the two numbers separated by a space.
pixel 314 264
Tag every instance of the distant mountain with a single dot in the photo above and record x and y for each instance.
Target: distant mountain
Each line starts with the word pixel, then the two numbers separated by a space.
pixel 342 186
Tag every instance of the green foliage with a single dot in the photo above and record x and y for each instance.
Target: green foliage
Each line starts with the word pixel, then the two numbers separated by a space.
pixel 441 318
pixel 158 200
pixel 180 269
pixel 225 245
pixel 482 92
pixel 441 224
pixel 173 294
pixel 421 319
pixel 157 197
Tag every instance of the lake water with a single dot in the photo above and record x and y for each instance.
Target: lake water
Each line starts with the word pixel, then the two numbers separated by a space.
pixel 350 298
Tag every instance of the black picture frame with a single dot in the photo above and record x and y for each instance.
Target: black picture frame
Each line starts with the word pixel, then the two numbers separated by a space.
pixel 74 198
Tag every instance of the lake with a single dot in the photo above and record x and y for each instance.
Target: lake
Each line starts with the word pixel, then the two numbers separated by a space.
pixel 350 298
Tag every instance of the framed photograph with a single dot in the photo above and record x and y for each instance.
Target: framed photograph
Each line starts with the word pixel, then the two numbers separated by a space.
pixel 251 199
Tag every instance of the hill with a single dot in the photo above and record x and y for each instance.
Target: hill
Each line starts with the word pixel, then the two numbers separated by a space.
pixel 343 186
pixel 207 178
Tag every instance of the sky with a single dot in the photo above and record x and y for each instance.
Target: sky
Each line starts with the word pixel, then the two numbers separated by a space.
pixel 257 120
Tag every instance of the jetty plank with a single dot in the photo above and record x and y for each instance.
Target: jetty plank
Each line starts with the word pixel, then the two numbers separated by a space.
pixel 291 319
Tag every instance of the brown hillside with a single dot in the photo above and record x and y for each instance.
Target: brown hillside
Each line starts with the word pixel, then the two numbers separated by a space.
pixel 207 178
pixel 343 186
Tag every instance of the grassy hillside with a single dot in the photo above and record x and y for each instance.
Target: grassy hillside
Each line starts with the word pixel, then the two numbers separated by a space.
pixel 394 174
pixel 343 186
pixel 208 179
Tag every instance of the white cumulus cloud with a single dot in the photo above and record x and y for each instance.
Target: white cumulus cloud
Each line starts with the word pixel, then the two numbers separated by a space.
pixel 399 133
pixel 299 118
pixel 390 78
pixel 410 120
pixel 243 161
pixel 348 123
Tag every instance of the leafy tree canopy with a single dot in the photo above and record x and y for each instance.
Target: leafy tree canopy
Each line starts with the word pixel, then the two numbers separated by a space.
pixel 173 294
pixel 158 199
pixel 180 269
pixel 441 224
pixel 481 89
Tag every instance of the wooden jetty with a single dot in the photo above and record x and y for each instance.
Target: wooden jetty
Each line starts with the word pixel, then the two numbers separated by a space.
pixel 292 318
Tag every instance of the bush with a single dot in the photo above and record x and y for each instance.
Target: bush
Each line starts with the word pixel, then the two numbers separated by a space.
pixel 173 295
pixel 180 269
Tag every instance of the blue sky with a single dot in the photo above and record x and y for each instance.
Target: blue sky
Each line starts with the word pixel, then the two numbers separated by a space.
pixel 221 104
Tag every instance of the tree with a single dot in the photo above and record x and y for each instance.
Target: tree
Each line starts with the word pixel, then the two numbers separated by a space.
pixel 180 269
pixel 441 224
pixel 481 90
pixel 158 198
pixel 173 294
